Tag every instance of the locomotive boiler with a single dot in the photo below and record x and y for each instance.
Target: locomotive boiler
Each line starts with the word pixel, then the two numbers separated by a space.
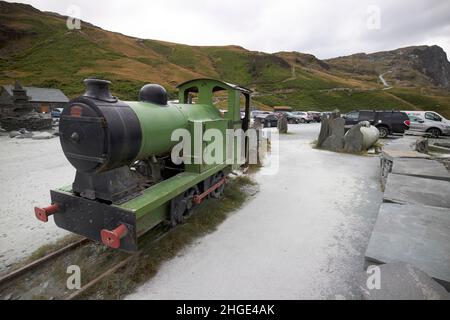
pixel 126 181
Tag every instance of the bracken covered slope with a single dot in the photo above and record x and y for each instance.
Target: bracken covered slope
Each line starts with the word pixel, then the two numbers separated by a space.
pixel 37 49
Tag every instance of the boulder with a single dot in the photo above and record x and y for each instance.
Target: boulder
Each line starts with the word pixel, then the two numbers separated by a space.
pixel 353 140
pixel 282 124
pixel 324 129
pixel 335 140
pixel 360 137
pixel 422 145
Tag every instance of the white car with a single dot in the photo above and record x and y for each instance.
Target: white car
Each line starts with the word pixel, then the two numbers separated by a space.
pixel 428 115
pixel 303 116
pixel 435 128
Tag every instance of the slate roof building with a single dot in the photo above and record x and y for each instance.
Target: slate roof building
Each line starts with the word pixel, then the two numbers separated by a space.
pixel 42 99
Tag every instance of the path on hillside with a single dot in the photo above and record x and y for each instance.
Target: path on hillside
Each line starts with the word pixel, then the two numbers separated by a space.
pixel 384 82
pixel 293 74
pixel 302 237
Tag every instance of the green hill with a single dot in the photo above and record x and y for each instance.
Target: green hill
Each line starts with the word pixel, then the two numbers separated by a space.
pixel 37 49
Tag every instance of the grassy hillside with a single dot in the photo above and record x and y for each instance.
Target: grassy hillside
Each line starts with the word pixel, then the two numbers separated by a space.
pixel 37 49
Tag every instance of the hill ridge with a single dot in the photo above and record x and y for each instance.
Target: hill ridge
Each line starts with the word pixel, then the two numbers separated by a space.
pixel 37 48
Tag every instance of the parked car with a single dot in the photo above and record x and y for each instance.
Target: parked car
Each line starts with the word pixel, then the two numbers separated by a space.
pixel 434 128
pixel 428 115
pixel 303 116
pixel 316 117
pixel 257 113
pixel 268 120
pixel 387 121
pixel 56 112
pixel 291 118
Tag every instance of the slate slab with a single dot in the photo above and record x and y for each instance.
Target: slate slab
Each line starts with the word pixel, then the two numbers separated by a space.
pixel 402 281
pixel 402 144
pixel 430 169
pixel 413 234
pixel 392 154
pixel 407 189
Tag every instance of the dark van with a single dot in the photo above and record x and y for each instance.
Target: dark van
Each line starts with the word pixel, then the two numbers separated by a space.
pixel 387 121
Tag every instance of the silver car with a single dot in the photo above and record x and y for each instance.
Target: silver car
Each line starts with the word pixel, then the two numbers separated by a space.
pixel 435 129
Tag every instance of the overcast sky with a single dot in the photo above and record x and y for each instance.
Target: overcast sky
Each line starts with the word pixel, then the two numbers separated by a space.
pixel 325 28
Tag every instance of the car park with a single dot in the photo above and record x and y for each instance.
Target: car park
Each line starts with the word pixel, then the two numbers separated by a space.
pixel 291 117
pixel 387 121
pixel 303 116
pixel 435 129
pixel 316 116
pixel 257 113
pixel 268 120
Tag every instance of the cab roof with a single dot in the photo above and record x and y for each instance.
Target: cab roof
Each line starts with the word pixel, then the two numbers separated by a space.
pixel 221 85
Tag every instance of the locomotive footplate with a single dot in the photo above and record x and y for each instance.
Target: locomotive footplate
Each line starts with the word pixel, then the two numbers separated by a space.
pixel 107 224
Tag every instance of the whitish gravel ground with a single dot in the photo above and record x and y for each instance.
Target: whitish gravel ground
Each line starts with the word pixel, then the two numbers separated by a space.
pixel 28 170
pixel 302 237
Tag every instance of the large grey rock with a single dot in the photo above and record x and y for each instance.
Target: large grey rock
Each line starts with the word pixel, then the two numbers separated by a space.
pixel 282 124
pixel 430 169
pixel 407 189
pixel 413 234
pixel 335 141
pixel 402 281
pixel 353 140
pixel 325 130
pixel 360 137
pixel 422 145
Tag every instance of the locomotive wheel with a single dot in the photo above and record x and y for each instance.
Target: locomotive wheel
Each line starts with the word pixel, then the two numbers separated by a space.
pixel 189 197
pixel 217 194
pixel 183 206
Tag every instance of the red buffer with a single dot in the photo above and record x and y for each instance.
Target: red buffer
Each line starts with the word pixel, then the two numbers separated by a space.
pixel 112 238
pixel 43 213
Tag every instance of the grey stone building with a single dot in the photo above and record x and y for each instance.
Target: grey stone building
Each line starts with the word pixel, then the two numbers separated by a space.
pixel 28 107
pixel 41 99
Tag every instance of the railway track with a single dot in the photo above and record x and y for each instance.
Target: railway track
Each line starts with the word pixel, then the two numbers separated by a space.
pixel 99 278
pixel 18 283
pixel 36 263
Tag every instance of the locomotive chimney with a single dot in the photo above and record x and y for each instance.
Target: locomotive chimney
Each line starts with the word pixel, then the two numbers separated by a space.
pixel 99 89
